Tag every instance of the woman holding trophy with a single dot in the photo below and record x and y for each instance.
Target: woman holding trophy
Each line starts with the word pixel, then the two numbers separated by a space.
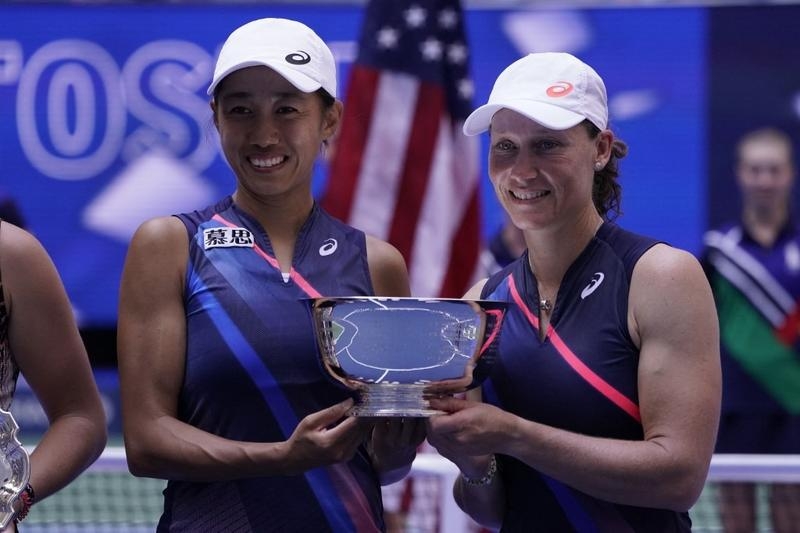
pixel 601 411
pixel 222 391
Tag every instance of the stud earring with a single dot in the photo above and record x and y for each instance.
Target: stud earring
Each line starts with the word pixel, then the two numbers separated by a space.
pixel 598 166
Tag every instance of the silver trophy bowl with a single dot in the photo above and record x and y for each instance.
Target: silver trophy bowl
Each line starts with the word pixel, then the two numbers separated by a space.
pixel 397 353
pixel 15 469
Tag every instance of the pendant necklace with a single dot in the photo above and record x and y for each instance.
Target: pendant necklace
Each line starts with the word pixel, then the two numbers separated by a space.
pixel 545 305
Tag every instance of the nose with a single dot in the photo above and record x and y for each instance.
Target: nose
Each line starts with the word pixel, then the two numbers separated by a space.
pixel 264 132
pixel 525 165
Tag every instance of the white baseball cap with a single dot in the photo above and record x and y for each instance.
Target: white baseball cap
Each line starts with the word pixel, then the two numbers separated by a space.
pixel 290 48
pixel 555 89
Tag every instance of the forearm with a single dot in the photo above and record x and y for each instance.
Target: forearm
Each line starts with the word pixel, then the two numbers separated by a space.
pixel 482 500
pixel 648 473
pixel 70 445
pixel 171 449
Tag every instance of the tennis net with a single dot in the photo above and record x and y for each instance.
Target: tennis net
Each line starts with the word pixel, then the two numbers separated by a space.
pixel 108 499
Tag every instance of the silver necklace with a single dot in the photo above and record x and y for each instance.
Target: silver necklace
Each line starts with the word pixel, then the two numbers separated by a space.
pixel 545 305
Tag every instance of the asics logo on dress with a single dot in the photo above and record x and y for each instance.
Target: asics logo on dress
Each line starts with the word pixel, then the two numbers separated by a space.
pixel 328 247
pixel 597 279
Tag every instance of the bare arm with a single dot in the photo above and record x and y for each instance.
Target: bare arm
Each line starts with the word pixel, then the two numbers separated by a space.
pixel 387 268
pixel 152 345
pixel 45 343
pixel 672 317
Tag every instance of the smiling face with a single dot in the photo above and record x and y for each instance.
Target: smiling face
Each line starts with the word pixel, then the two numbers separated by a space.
pixel 542 176
pixel 271 132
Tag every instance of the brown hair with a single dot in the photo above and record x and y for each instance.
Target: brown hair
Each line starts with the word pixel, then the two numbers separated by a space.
pixel 606 190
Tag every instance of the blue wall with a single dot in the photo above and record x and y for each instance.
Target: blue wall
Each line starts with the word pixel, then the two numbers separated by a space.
pixel 104 120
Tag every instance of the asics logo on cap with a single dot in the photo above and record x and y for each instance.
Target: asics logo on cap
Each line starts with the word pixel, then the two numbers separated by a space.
pixel 328 247
pixel 597 279
pixel 298 58
pixel 561 88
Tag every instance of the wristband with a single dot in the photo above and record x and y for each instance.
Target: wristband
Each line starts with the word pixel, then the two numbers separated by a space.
pixel 487 478
pixel 27 497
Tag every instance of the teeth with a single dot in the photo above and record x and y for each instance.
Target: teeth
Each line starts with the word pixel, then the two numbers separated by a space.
pixel 528 195
pixel 266 163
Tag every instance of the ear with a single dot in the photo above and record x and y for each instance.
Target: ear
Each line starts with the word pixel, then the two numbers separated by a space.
pixel 331 119
pixel 605 141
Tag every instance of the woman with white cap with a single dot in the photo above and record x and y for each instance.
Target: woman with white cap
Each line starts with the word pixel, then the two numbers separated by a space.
pixel 601 411
pixel 222 391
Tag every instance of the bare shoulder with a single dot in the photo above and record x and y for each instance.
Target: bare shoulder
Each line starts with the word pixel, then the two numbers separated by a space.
pixel 664 267
pixel 474 293
pixel 18 245
pixel 669 290
pixel 156 259
pixel 161 231
pixel 24 262
pixel 387 267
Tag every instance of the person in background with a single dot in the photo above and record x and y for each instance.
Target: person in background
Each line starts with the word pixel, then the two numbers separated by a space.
pixel 222 392
pixel 753 265
pixel 40 339
pixel 601 410
pixel 505 246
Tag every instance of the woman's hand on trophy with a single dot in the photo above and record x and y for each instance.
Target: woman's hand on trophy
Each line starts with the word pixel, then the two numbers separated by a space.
pixel 326 437
pixel 467 428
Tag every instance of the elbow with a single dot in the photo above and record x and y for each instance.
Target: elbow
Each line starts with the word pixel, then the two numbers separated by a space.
pixel 141 461
pixel 685 488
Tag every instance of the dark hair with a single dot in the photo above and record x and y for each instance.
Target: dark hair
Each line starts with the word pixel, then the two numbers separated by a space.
pixel 606 190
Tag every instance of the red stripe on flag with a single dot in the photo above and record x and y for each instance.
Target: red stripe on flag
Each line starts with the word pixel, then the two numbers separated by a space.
pixel 465 250
pixel 352 139
pixel 416 171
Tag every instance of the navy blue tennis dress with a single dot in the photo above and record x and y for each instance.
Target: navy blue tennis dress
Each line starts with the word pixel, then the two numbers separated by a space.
pixel 581 378
pixel 252 373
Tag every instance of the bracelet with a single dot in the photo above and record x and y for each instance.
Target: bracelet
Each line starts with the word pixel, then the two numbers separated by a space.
pixel 487 478
pixel 27 497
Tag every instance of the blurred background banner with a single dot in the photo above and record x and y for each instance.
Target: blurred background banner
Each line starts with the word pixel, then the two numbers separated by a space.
pixel 104 120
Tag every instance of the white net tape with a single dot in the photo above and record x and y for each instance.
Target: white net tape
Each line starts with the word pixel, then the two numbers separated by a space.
pixel 107 499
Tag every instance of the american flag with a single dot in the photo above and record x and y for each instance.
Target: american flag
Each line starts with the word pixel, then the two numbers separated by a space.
pixel 402 170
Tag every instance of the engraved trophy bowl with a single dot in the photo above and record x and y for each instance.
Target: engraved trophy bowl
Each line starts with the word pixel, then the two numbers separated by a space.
pixel 15 468
pixel 397 353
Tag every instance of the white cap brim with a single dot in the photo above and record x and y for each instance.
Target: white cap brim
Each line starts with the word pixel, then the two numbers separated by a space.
pixel 301 81
pixel 549 116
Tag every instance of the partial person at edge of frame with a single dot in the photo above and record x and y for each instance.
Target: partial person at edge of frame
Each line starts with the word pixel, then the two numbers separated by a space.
pixel 753 265
pixel 601 411
pixel 222 392
pixel 39 338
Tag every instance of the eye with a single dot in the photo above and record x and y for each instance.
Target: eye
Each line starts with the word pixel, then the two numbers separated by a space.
pixel 545 145
pixel 504 145
pixel 285 110
pixel 239 110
